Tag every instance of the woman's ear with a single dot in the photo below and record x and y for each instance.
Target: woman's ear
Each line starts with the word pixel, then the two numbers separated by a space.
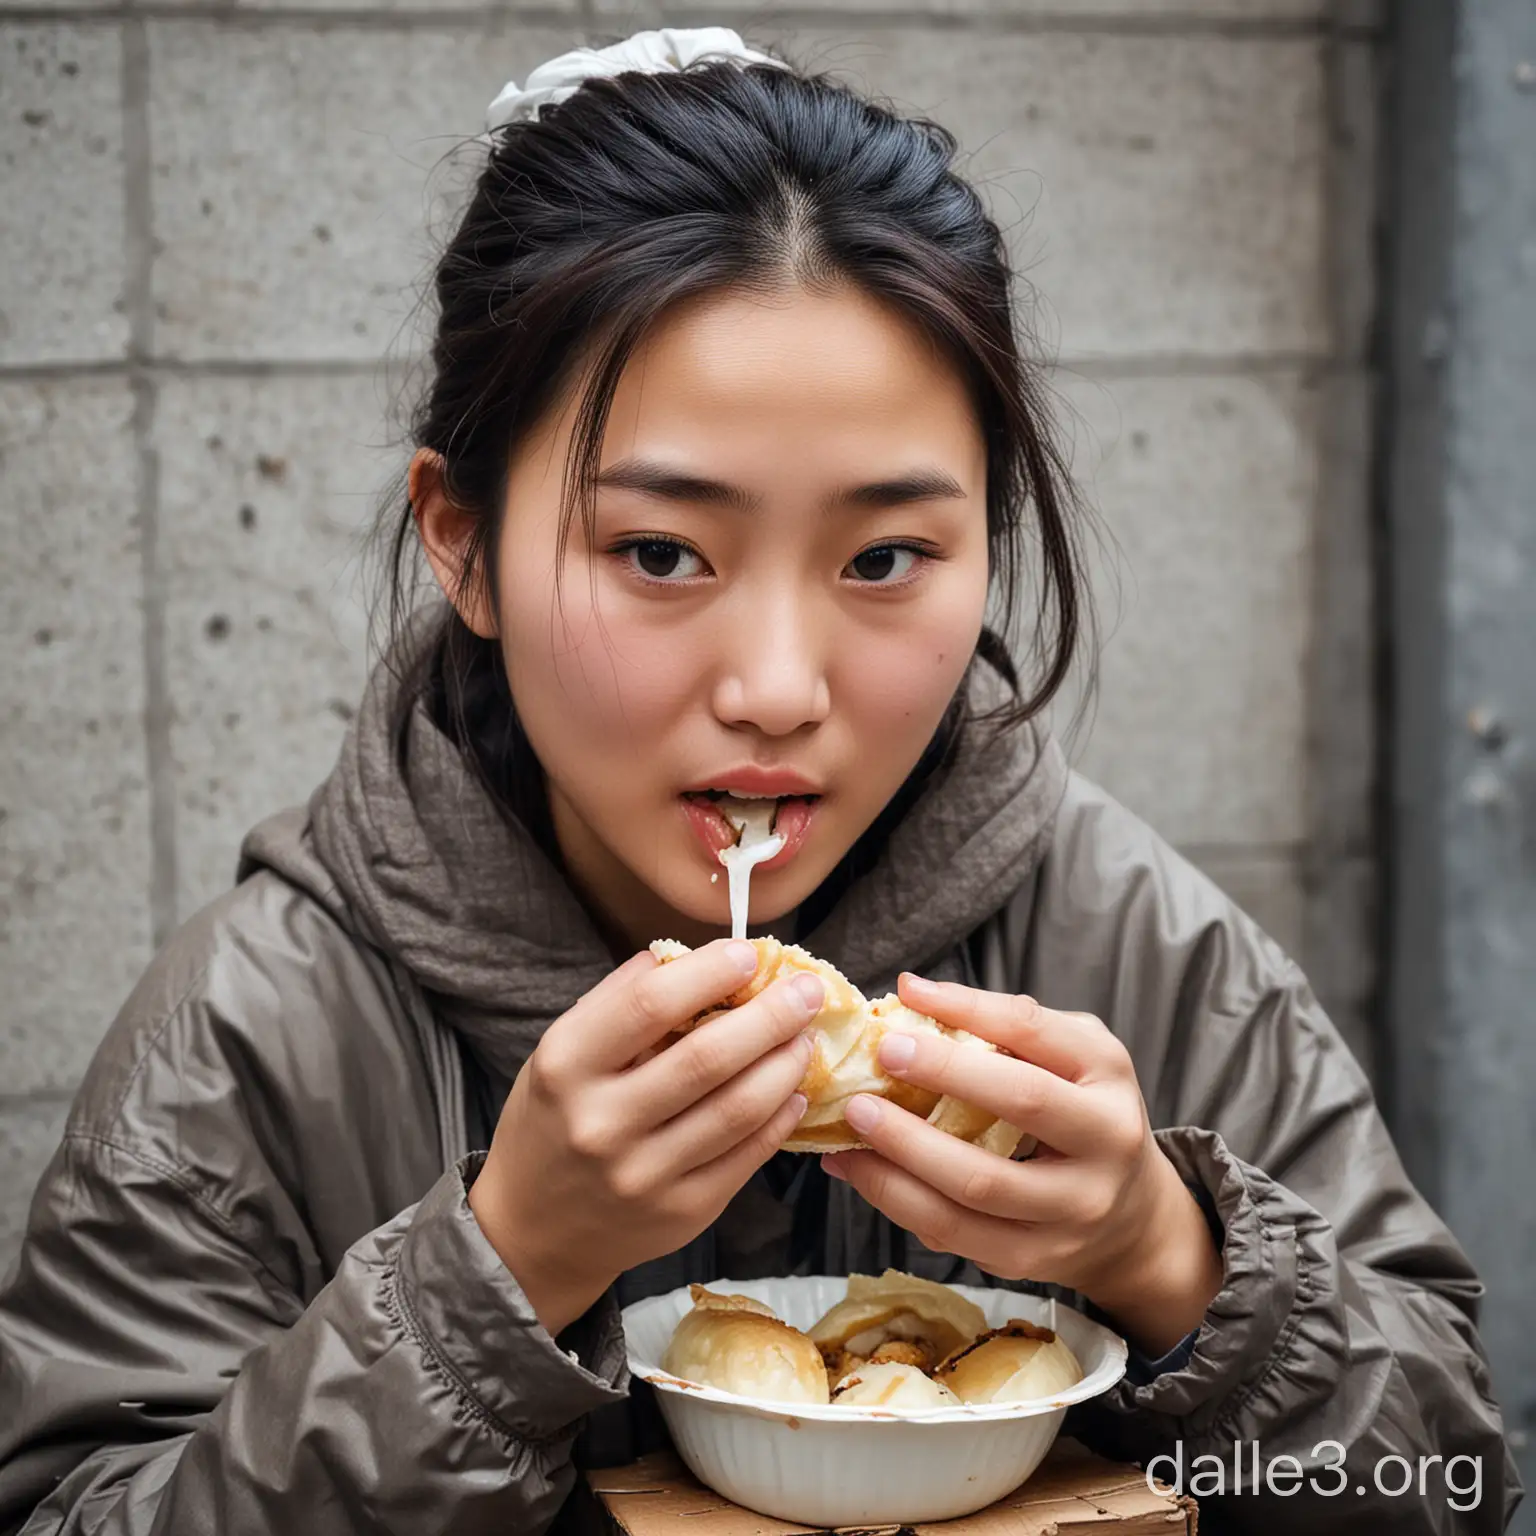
pixel 445 533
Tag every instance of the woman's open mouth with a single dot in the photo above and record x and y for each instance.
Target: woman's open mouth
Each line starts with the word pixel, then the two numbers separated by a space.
pixel 792 815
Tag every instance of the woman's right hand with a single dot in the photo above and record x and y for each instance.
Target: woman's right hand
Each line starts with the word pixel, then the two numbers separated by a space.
pixel 608 1154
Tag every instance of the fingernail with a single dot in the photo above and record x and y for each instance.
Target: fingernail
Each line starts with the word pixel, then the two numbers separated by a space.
pixel 863 1112
pixel 918 984
pixel 742 955
pixel 810 990
pixel 805 1045
pixel 897 1051
pixel 801 1104
pixel 832 1167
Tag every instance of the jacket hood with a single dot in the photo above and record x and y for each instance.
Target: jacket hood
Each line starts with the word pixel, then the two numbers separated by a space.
pixel 406 849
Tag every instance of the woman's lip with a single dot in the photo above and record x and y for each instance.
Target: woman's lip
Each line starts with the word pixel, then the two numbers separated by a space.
pixel 794 821
pixel 750 780
pixel 714 832
pixel 708 825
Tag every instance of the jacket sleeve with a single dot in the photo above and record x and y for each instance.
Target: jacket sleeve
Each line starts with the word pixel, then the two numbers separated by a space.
pixel 157 1376
pixel 1345 1333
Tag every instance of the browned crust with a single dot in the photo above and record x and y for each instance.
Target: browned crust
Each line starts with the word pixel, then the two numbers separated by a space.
pixel 817 1079
pixel 838 1363
pixel 728 1301
pixel 1014 1328
pixel 905 1352
pixel 834 1136
pixel 919 1101
pixel 964 1121
pixel 920 1354
pixel 722 1304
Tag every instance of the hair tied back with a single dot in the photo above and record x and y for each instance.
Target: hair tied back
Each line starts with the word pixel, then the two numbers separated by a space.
pixel 655 52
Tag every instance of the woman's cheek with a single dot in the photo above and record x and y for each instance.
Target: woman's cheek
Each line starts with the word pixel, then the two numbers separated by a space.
pixel 597 682
pixel 898 678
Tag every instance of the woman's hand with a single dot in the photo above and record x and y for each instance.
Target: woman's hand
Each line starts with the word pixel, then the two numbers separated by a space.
pixel 1098 1207
pixel 609 1152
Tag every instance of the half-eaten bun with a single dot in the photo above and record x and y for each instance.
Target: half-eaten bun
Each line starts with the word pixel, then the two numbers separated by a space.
pixel 847 1032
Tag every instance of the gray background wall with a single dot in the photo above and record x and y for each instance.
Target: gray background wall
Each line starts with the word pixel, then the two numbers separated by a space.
pixel 1459 473
pixel 214 226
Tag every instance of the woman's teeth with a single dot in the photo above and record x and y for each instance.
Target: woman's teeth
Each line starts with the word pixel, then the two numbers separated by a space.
pixel 743 811
pixel 737 809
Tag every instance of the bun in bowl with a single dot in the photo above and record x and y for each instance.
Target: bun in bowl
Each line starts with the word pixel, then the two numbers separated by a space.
pixel 883 1313
pixel 740 1345
pixel 885 1384
pixel 839 1464
pixel 1013 1364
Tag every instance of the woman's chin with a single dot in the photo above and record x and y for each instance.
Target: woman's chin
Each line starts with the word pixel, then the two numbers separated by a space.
pixel 716 913
pixel 690 894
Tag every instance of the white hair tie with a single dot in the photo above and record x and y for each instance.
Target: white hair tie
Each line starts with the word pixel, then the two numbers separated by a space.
pixel 670 48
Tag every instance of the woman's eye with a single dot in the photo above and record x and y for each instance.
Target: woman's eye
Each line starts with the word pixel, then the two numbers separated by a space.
pixel 667 562
pixel 875 564
pixel 658 559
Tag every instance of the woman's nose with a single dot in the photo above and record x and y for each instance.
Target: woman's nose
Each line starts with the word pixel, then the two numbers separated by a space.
pixel 774 674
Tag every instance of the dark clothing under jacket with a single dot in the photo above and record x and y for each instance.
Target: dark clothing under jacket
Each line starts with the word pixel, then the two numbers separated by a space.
pixel 252 1296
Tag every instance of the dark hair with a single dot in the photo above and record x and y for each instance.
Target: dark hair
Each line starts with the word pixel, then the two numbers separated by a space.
pixel 640 190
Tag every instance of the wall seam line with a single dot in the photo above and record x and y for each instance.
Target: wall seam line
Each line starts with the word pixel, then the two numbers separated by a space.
pixel 138 237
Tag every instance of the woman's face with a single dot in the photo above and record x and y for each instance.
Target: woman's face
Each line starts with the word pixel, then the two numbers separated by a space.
pixel 789 573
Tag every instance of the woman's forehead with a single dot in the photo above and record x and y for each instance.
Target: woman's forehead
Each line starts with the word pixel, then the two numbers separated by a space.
pixel 837 377
pixel 733 347
pixel 814 395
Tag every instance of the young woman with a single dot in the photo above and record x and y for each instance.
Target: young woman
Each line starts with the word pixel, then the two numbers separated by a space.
pixel 729 443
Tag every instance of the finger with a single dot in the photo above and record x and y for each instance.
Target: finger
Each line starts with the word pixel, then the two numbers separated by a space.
pixel 609 1028
pixel 638 963
pixel 1063 1114
pixel 1072 1045
pixel 910 1203
pixel 970 1176
pixel 732 1113
pixel 715 1053
pixel 715 1182
pixel 565 1046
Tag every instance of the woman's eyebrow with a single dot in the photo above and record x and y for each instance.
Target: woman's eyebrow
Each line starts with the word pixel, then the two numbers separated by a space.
pixel 653 479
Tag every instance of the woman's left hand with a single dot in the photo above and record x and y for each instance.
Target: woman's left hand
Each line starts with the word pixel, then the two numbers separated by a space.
pixel 1097 1208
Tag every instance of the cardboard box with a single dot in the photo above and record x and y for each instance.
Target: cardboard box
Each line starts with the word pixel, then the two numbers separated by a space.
pixel 1072 1493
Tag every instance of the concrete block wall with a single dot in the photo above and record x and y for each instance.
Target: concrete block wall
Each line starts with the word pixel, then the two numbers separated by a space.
pixel 215 233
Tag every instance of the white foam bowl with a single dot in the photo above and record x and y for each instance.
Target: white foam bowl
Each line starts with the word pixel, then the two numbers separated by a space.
pixel 829 1466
